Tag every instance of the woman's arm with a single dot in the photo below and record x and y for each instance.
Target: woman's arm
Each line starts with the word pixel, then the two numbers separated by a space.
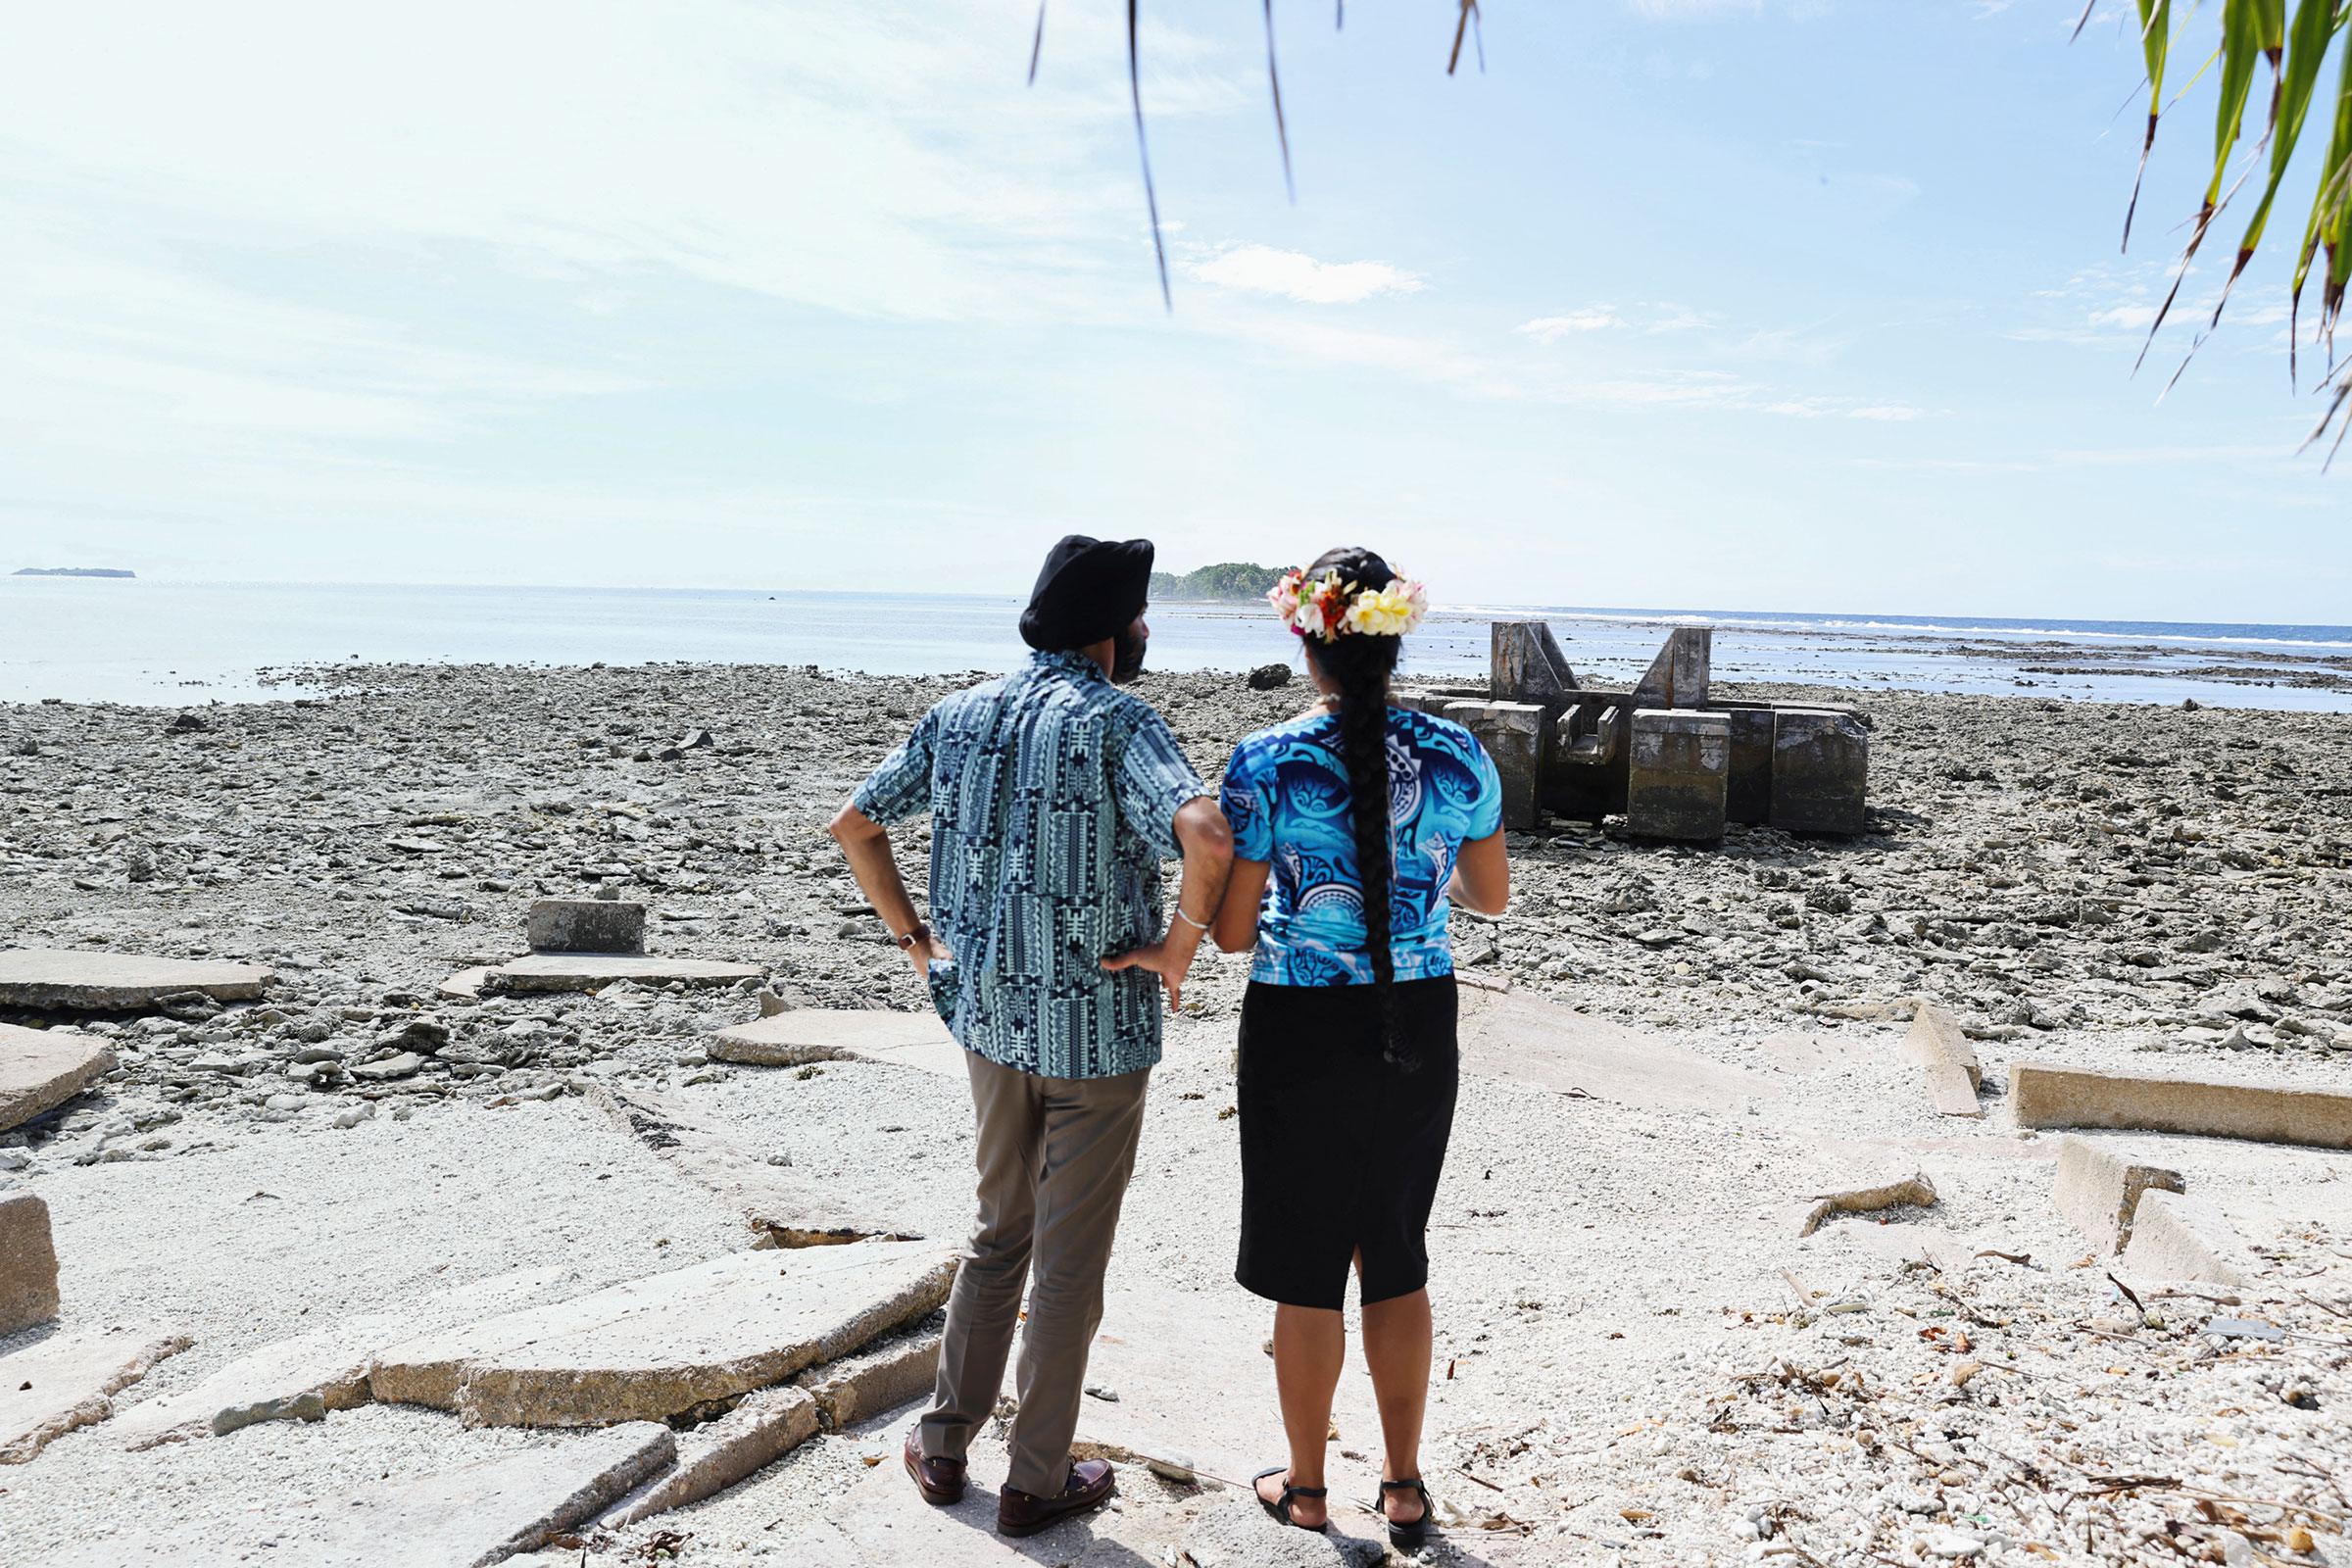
pixel 1235 928
pixel 1482 876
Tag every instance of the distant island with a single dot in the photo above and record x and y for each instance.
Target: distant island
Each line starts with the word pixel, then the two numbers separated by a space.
pixel 1229 579
pixel 73 571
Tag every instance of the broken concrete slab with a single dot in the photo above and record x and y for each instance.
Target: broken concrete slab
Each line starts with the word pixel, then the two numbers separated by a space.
pixel 785 1205
pixel 40 1070
pixel 2050 1096
pixel 883 1378
pixel 324 1370
pixel 824 1034
pixel 117 982
pixel 1680 773
pixel 2097 1190
pixel 469 1517
pixel 591 972
pixel 1678 676
pixel 769 1424
pixel 1914 1188
pixel 1233 1532
pixel 1528 1040
pixel 653 1348
pixel 1945 1059
pixel 585 925
pixel 2177 1237
pixel 28 1262
pixel 1820 770
pixel 70 1380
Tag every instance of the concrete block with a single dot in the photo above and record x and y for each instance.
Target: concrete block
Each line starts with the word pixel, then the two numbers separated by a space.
pixel 2097 1190
pixel 2176 1236
pixel 40 1070
pixel 70 1380
pixel 469 1517
pixel 28 1262
pixel 590 971
pixel 2048 1095
pixel 867 1384
pixel 1946 1060
pixel 586 925
pixel 117 982
pixel 767 1424
pixel 1675 788
pixel 654 1347
pixel 1678 676
pixel 1514 734
pixel 829 1034
pixel 1820 770
pixel 1586 757
pixel 1526 664
pixel 1748 792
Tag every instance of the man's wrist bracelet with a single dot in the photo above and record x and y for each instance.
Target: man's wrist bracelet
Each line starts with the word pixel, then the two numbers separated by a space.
pixel 922 929
pixel 1198 925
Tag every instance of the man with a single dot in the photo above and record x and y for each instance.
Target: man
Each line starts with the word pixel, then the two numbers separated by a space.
pixel 1053 797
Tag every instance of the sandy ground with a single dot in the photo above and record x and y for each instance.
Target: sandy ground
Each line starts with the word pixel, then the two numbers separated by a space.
pixel 1626 1369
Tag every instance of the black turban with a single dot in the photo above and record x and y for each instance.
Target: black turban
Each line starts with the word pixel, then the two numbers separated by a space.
pixel 1090 589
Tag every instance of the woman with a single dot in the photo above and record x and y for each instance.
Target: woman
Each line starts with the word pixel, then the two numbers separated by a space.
pixel 1354 824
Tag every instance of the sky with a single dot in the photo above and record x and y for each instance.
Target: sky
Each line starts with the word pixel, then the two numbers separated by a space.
pixel 1792 305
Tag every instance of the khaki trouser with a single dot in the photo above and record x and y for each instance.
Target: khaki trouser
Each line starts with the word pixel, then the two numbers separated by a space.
pixel 1054 1154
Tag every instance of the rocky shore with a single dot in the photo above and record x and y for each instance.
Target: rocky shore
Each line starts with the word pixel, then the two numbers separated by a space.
pixel 1640 1355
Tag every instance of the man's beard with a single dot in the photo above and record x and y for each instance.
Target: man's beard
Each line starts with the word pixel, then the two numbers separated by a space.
pixel 1127 659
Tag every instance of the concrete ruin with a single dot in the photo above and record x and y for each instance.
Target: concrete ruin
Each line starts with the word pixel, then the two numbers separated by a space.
pixel 1676 761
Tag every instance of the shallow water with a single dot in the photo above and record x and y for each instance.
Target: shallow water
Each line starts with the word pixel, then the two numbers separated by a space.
pixel 109 640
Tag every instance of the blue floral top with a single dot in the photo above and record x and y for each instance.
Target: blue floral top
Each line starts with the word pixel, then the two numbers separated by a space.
pixel 1286 794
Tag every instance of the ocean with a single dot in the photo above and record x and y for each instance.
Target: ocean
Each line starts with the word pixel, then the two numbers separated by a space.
pixel 177 643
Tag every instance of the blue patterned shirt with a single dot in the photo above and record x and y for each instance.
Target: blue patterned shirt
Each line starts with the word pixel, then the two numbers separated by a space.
pixel 1053 797
pixel 1286 794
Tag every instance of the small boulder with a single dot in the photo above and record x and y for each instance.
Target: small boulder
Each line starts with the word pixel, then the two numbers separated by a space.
pixel 1269 677
pixel 28 1262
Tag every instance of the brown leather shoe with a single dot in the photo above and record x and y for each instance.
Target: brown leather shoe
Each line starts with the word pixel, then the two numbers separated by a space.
pixel 940 1480
pixel 1020 1514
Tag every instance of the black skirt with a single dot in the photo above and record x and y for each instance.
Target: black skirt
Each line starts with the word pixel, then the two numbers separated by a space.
pixel 1340 1151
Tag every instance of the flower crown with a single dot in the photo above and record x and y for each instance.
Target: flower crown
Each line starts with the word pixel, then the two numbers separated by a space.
pixel 1326 608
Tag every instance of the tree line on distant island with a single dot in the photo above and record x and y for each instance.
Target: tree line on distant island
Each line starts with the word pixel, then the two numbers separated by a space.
pixel 73 571
pixel 1228 579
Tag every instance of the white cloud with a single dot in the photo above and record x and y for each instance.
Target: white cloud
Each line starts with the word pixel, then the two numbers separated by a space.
pixel 1548 329
pixel 1263 270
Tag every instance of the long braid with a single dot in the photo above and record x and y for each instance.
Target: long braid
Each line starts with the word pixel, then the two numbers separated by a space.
pixel 1360 667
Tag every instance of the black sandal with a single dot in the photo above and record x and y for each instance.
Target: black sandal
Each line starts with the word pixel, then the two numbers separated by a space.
pixel 1413 1532
pixel 1282 1510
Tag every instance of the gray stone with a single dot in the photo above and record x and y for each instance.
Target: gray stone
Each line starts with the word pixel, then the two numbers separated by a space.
pixel 1236 1533
pixel 403 1065
pixel 1269 677
pixel 1820 770
pixel 1681 767
pixel 2050 1096
pixel 70 1380
pixel 1678 676
pixel 2098 1192
pixel 856 1386
pixel 28 1262
pixel 654 1347
pixel 803 1035
pixel 117 982
pixel 469 1517
pixel 41 1069
pixel 588 971
pixel 586 925
pixel 2176 1236
pixel 767 1424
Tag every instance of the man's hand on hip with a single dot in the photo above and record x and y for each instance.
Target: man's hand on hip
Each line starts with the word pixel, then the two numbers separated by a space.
pixel 1171 960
